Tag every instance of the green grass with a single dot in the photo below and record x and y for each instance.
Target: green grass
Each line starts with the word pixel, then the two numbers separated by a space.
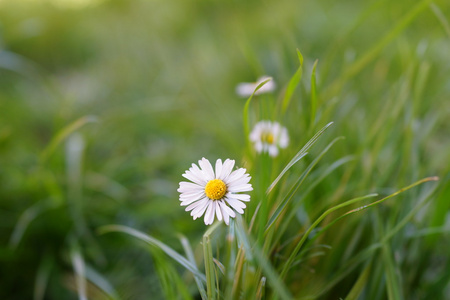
pixel 103 107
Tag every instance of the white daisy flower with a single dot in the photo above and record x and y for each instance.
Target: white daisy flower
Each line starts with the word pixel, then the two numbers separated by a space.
pixel 215 192
pixel 246 89
pixel 268 136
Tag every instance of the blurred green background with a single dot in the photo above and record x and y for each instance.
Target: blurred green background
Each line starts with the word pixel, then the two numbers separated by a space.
pixel 149 87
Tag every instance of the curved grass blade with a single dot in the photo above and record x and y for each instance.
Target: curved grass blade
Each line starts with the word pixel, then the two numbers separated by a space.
pixel 190 256
pixel 257 254
pixel 79 268
pixel 42 276
pixel 298 156
pixel 64 133
pixel 314 225
pixel 156 243
pixel 101 282
pixel 246 107
pixel 27 217
pixel 359 285
pixel 441 17
pixel 434 178
pixel 367 253
pixel 281 207
pixel 293 83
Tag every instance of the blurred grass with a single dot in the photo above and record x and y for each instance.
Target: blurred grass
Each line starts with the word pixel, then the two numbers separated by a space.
pixel 160 76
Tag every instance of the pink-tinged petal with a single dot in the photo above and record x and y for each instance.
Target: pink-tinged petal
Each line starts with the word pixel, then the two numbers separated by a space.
pixel 206 168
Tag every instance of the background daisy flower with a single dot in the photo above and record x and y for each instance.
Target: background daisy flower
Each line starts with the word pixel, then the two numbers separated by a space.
pixel 246 89
pixel 268 136
pixel 215 193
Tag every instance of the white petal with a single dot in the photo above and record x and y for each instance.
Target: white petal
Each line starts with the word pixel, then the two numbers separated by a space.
pixel 225 212
pixel 235 175
pixel 188 200
pixel 194 178
pixel 226 168
pixel 196 204
pixel 218 168
pixel 238 181
pixel 199 173
pixel 284 138
pixel 206 168
pixel 240 188
pixel 189 186
pixel 226 209
pixel 242 197
pixel 245 89
pixel 236 205
pixel 218 212
pixel 209 215
pixel 199 210
pixel 273 150
pixel 259 146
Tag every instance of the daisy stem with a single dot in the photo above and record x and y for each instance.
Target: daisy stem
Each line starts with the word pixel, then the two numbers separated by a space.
pixel 209 263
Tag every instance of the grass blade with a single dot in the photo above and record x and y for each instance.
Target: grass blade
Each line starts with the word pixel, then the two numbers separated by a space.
pixel 246 107
pixel 293 83
pixel 209 262
pixel 314 225
pixel 281 207
pixel 64 133
pixel 156 243
pixel 256 253
pixel 190 256
pixel 298 156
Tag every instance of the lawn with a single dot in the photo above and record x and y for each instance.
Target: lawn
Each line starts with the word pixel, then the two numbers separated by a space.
pixel 105 104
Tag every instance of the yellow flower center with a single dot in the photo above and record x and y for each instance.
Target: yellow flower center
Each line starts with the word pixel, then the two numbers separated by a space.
pixel 267 137
pixel 215 189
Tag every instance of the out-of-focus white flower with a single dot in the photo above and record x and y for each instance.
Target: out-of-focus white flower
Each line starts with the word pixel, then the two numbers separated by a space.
pixel 268 136
pixel 245 89
pixel 215 192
